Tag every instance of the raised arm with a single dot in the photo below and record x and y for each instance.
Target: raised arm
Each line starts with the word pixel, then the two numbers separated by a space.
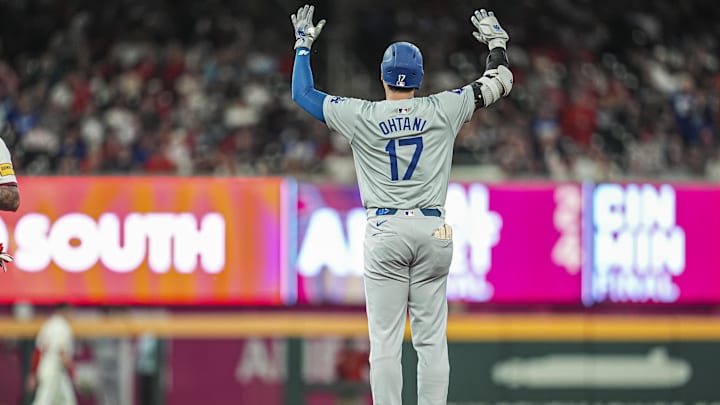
pixel 497 81
pixel 303 86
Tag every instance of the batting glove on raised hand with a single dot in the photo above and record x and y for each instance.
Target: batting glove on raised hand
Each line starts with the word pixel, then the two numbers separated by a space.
pixel 489 31
pixel 4 258
pixel 305 31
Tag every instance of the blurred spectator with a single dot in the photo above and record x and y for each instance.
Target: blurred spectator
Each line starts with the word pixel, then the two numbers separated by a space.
pixel 550 155
pixel 579 120
pixel 692 112
pixel 646 155
pixel 622 89
pixel 147 369
pixel 352 371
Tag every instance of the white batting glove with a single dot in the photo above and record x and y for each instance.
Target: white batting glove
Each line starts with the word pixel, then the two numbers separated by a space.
pixel 305 31
pixel 4 258
pixel 489 31
pixel 444 232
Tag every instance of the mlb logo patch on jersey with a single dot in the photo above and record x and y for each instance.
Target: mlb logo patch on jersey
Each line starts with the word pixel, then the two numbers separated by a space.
pixel 404 110
pixel 410 213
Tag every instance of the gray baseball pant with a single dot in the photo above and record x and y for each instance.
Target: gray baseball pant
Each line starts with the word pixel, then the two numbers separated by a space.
pixel 406 268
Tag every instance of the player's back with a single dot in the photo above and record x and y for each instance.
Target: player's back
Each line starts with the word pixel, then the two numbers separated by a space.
pixel 402 148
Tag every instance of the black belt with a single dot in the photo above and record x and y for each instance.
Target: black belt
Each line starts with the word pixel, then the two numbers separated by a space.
pixel 428 212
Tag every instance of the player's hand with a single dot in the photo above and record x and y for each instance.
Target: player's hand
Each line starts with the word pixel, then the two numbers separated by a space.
pixel 305 31
pixel 4 258
pixel 489 31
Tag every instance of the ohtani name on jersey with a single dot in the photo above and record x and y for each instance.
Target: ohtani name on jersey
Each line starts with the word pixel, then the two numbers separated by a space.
pixel 415 124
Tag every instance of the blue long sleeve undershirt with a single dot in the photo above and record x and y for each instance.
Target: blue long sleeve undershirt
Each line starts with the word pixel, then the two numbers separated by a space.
pixel 303 86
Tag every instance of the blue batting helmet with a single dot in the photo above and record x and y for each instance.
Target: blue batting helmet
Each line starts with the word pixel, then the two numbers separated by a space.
pixel 402 65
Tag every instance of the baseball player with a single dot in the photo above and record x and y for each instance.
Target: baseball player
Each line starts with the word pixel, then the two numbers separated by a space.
pixel 9 194
pixel 52 361
pixel 402 147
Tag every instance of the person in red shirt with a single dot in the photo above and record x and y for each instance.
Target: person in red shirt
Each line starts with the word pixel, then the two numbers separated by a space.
pixel 352 370
pixel 579 120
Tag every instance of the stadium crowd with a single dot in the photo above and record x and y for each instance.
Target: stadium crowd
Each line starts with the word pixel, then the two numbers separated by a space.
pixel 603 91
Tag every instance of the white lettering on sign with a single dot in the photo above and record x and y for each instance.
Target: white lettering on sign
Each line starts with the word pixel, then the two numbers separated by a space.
pixel 476 230
pixel 262 361
pixel 76 242
pixel 638 247
pixel 336 245
pixel 326 246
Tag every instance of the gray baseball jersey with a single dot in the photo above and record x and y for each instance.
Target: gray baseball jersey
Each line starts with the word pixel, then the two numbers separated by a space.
pixel 402 148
